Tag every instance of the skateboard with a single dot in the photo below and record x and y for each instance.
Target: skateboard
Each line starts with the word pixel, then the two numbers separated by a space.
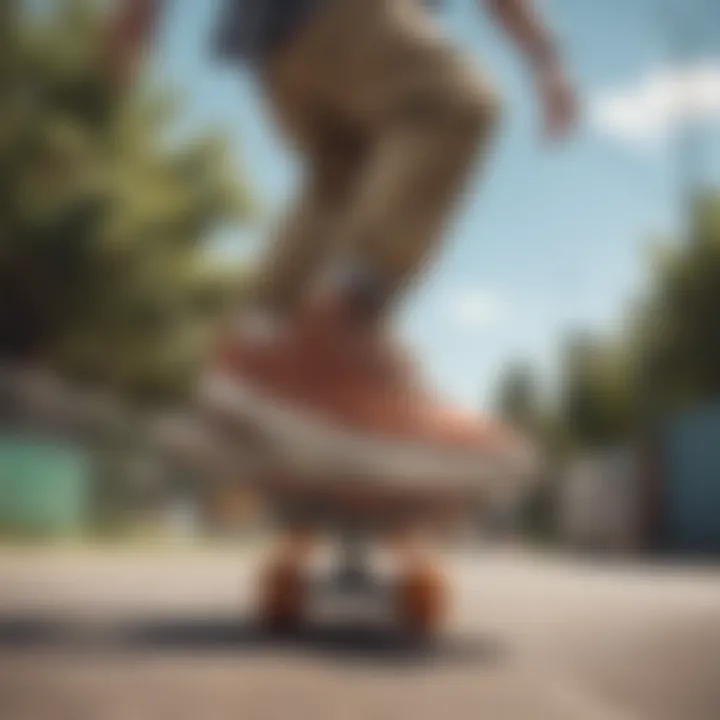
pixel 330 495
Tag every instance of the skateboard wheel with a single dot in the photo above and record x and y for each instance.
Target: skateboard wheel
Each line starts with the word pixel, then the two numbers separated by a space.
pixel 422 600
pixel 283 589
pixel 283 595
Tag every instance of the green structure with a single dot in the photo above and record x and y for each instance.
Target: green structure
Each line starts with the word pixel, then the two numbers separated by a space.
pixel 44 488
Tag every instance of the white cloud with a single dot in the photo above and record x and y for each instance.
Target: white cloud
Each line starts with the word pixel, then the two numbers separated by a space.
pixel 660 103
pixel 475 309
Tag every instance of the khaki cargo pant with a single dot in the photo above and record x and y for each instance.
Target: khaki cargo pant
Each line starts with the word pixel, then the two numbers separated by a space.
pixel 390 119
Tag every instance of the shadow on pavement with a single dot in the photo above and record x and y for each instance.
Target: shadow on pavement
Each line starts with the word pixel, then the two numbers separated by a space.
pixel 211 635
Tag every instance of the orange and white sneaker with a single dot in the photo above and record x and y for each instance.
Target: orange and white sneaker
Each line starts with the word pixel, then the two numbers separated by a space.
pixel 334 393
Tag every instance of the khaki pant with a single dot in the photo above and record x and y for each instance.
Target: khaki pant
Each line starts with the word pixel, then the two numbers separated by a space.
pixel 390 119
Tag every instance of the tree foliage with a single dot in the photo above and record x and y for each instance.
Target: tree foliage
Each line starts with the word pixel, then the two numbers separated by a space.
pixel 678 333
pixel 597 403
pixel 104 220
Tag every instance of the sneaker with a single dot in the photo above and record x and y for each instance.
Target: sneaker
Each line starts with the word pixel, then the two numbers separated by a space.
pixel 333 391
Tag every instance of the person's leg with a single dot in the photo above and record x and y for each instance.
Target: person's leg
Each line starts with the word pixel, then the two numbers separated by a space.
pixel 266 346
pixel 384 64
pixel 383 67
pixel 333 154
pixel 429 115
pixel 416 179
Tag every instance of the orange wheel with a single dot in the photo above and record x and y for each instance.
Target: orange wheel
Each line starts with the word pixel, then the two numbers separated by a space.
pixel 422 599
pixel 283 589
pixel 282 596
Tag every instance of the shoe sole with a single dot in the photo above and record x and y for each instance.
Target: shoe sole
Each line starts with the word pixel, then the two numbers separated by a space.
pixel 301 442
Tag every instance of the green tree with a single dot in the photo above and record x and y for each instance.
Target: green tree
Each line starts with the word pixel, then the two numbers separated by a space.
pixel 677 333
pixel 597 403
pixel 105 222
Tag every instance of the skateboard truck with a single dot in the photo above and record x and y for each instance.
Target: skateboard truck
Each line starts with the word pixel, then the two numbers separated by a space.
pixel 353 573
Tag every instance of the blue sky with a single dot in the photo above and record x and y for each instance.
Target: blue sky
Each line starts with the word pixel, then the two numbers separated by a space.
pixel 548 238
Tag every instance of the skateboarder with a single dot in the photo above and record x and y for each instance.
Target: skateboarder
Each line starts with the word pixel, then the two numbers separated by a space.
pixel 389 118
